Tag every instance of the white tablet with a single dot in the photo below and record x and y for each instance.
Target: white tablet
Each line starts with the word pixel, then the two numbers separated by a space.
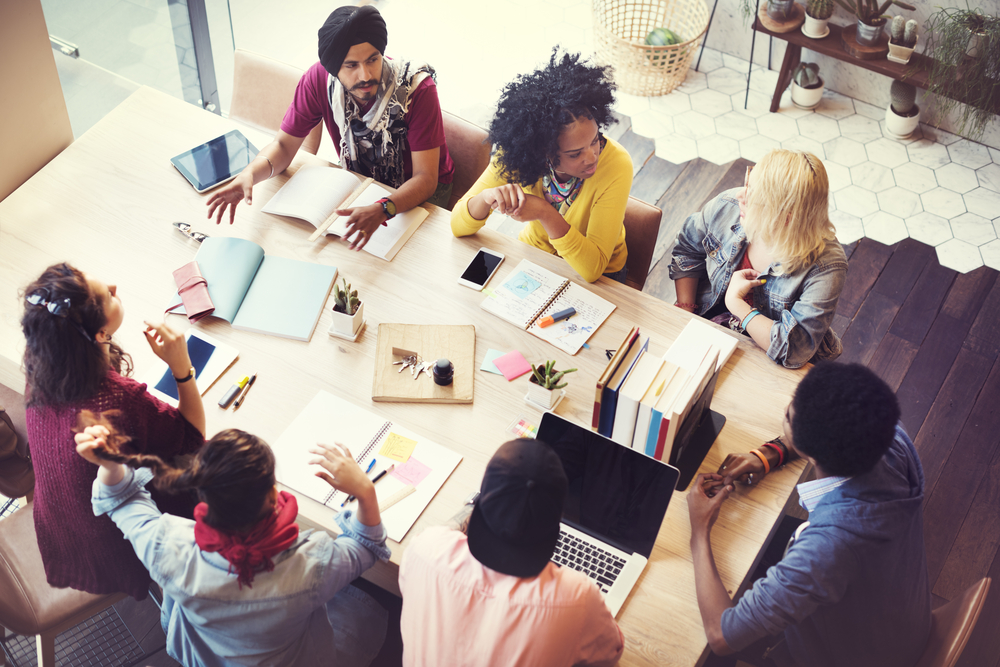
pixel 210 359
pixel 215 162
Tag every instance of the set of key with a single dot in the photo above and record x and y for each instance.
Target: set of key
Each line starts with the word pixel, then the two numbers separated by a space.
pixel 415 364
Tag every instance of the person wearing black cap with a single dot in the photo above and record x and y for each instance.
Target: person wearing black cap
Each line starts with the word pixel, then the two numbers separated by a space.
pixel 383 114
pixel 489 594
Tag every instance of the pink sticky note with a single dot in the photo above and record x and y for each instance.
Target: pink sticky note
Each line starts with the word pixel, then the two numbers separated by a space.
pixel 512 365
pixel 412 472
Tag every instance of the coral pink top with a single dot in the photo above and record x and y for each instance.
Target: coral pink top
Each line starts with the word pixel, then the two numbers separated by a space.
pixel 80 550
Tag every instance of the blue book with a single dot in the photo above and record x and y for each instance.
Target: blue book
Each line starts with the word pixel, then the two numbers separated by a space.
pixel 609 397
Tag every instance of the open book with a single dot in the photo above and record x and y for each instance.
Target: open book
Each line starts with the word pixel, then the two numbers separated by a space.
pixel 263 294
pixel 314 194
pixel 530 292
pixel 418 462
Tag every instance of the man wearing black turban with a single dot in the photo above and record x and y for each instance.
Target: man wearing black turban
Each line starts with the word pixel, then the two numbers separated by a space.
pixel 383 114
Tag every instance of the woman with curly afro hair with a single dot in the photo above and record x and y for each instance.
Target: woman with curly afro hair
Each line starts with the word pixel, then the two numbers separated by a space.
pixel 554 170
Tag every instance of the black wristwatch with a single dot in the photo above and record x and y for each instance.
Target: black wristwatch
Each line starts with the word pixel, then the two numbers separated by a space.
pixel 388 207
pixel 190 376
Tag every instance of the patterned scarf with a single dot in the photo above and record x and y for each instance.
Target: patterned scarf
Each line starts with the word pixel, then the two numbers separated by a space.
pixel 562 195
pixel 372 144
pixel 249 552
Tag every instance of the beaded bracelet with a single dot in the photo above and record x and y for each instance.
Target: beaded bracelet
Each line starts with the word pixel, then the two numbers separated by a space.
pixel 781 455
pixel 763 459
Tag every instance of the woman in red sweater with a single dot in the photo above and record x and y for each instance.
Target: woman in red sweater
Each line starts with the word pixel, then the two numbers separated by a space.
pixel 72 364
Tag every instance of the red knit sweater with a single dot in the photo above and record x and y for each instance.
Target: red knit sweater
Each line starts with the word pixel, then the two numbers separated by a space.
pixel 84 551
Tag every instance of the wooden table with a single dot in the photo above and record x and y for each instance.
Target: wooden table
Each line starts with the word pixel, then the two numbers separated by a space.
pixel 106 205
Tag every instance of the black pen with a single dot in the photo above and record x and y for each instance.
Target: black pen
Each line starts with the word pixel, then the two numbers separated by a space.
pixel 377 478
pixel 243 396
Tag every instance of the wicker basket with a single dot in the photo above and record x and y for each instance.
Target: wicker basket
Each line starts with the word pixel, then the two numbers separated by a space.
pixel 620 30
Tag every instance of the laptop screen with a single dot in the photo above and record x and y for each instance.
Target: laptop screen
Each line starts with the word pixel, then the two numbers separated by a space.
pixel 616 494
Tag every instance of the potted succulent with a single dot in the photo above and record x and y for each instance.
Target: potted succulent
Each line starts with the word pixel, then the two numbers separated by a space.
pixel 780 10
pixel 807 86
pixel 902 40
pixel 871 17
pixel 902 116
pixel 544 383
pixel 348 310
pixel 818 13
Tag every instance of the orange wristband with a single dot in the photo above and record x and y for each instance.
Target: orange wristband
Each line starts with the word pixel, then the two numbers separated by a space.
pixel 763 459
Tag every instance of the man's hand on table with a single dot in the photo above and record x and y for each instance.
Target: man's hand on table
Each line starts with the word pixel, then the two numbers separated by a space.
pixel 238 189
pixel 705 499
pixel 745 468
pixel 362 223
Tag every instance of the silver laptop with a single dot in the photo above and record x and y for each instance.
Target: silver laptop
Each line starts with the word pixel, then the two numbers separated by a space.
pixel 614 508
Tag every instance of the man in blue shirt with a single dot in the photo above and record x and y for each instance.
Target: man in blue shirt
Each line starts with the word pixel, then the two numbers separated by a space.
pixel 852 589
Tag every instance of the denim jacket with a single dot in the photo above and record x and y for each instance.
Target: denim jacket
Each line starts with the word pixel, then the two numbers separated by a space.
pixel 280 620
pixel 711 245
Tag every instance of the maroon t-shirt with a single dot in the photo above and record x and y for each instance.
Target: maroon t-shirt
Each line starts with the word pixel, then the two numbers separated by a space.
pixel 311 105
pixel 80 550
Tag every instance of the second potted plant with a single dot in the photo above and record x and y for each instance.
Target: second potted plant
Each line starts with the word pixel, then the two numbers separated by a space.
pixel 807 87
pixel 871 17
pixel 903 40
pixel 544 383
pixel 818 13
pixel 348 311
pixel 902 116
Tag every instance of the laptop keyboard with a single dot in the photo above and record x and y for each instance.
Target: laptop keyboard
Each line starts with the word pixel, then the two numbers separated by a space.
pixel 600 565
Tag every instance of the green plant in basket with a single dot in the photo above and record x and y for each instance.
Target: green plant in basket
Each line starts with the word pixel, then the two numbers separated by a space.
pixel 662 37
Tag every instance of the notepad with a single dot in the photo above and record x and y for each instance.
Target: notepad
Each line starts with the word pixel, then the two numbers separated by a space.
pixel 530 292
pixel 329 419
pixel 314 194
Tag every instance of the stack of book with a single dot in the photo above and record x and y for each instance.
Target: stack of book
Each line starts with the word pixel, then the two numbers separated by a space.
pixel 653 404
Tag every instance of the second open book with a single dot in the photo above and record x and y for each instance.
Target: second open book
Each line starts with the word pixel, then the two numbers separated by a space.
pixel 314 194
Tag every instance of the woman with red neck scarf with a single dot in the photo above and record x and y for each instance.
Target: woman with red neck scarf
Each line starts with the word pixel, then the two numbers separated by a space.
pixel 241 584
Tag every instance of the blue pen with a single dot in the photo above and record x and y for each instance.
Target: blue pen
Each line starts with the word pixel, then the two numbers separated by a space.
pixel 370 466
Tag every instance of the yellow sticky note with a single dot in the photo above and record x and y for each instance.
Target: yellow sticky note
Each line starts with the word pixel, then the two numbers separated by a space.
pixel 397 447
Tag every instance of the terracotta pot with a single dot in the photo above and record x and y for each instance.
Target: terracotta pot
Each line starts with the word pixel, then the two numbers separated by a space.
pixel 868 34
pixel 901 127
pixel 807 98
pixel 348 324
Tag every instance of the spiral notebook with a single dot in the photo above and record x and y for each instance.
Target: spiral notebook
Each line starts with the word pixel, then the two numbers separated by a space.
pixel 418 461
pixel 530 292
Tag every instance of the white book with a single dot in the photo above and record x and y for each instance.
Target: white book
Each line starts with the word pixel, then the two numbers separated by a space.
pixel 645 413
pixel 696 337
pixel 314 194
pixel 635 387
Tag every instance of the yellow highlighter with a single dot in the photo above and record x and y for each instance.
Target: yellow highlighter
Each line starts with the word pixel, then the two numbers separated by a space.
pixel 233 392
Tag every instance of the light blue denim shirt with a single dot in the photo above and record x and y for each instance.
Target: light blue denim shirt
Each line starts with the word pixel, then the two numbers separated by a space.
pixel 711 245
pixel 208 620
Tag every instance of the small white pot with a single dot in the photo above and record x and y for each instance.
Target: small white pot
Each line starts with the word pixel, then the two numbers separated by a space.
pixel 807 98
pixel 815 28
pixel 348 325
pixel 541 395
pixel 901 127
pixel 975 46
pixel 899 54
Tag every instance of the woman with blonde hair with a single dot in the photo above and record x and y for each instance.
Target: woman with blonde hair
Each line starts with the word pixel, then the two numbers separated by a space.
pixel 765 260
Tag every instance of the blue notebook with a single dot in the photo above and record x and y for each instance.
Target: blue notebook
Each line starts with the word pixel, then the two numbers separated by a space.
pixel 264 294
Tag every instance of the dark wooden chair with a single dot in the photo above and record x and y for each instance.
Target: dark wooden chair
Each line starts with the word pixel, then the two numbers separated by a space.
pixel 952 625
pixel 642 226
pixel 470 151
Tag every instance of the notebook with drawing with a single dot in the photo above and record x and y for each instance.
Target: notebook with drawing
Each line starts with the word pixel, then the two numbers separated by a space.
pixel 530 292
pixel 614 508
pixel 418 462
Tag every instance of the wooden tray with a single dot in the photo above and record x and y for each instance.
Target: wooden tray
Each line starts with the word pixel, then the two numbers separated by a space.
pixel 797 19
pixel 849 40
pixel 432 341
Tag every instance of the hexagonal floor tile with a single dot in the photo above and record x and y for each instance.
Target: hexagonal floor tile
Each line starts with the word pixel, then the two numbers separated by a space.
pixel 803 143
pixel 995 154
pixel 652 124
pixel 676 149
pixel 849 227
pixel 856 201
pixel 758 104
pixel 969 154
pixel 757 147
pixel 982 202
pixel 872 176
pixel 869 110
pixel 916 135
pixel 928 153
pixel 818 127
pixel 736 126
pixel 838 175
pixel 835 106
pixel 928 228
pixel 989 176
pixel 973 229
pixel 899 202
pixel 884 228
pixel 990 253
pixel 860 128
pixel 727 81
pixel 763 80
pixel 914 177
pixel 671 104
pixel 718 150
pixel 887 153
pixel 943 202
pixel 694 125
pixel 711 102
pixel 630 105
pixel 959 255
pixel 787 108
pixel 956 177
pixel 710 60
pixel 777 126
pixel 694 82
pixel 845 151
pixel 938 135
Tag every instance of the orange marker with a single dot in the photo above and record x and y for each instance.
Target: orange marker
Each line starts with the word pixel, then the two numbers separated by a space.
pixel 555 317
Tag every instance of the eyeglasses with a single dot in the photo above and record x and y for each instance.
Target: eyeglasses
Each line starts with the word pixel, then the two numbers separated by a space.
pixel 57 307
pixel 185 229
pixel 746 184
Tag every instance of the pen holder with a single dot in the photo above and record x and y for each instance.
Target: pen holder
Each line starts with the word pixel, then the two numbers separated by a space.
pixel 444 372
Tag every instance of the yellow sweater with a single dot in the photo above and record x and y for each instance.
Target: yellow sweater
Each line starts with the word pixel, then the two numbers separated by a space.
pixel 595 243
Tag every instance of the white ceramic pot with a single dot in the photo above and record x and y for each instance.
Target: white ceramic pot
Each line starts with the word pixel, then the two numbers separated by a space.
pixel 815 28
pixel 541 395
pixel 348 325
pixel 899 54
pixel 975 46
pixel 901 127
pixel 807 98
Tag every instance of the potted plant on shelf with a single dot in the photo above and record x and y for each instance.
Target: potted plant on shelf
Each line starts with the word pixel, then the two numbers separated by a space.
pixel 348 310
pixel 807 86
pixel 902 40
pixel 818 13
pixel 871 17
pixel 544 383
pixel 902 116
pixel 965 44
pixel 780 10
